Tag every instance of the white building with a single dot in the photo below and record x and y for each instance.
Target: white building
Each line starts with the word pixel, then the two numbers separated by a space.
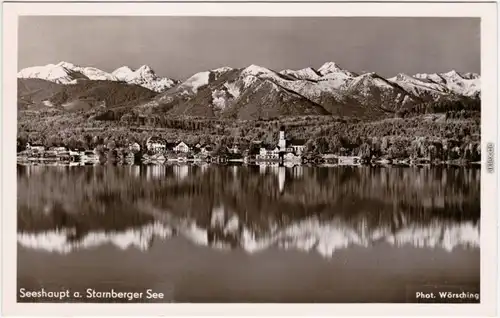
pixel 60 149
pixel 156 144
pixel 298 147
pixel 281 178
pixel 268 153
pixel 181 172
pixel 182 147
pixel 291 157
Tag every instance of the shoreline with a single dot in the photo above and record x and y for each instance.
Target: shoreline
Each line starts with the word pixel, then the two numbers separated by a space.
pixel 248 163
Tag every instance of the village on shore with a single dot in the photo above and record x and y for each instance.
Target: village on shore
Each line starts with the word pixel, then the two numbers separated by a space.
pixel 158 151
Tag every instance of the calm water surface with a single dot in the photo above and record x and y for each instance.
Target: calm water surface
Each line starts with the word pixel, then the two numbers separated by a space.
pixel 248 233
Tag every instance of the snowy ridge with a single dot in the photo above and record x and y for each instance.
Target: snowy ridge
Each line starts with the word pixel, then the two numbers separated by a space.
pixel 418 86
pixel 69 73
pixel 370 79
pixel 333 88
pixel 331 67
pixel 370 88
pixel 198 80
pixel 334 82
pixel 145 77
pixel 467 84
pixel 248 80
pixel 304 74
pixel 65 73
pixel 58 73
pixel 221 70
pixel 307 88
pixel 329 76
pixel 264 73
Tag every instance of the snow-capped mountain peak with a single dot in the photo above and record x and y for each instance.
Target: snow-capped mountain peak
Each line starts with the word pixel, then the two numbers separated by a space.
pixel 196 81
pixel 144 76
pixel 401 77
pixel 256 70
pixel 421 86
pixel 434 77
pixel 66 65
pixel 452 73
pixel 304 74
pixel 145 69
pixel 95 74
pixel 471 76
pixel 122 72
pixel 331 67
pixel 191 85
pixel 371 78
pixel 252 72
pixel 62 73
pixel 223 69
pixel 127 74
pixel 330 86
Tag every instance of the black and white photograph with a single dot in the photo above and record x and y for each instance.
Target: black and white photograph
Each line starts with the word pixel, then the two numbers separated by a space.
pixel 249 159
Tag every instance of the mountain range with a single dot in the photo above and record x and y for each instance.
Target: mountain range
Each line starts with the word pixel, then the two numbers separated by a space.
pixel 68 73
pixel 247 93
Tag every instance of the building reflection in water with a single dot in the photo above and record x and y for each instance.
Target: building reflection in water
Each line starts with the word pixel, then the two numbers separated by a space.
pixel 181 171
pixel 281 178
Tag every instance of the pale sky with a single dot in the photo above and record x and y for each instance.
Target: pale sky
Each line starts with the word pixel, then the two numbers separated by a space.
pixel 178 47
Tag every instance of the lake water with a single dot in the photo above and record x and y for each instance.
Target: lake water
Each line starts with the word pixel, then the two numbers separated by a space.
pixel 213 233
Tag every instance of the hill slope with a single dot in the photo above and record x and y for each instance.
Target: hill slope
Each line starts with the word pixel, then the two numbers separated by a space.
pixel 85 95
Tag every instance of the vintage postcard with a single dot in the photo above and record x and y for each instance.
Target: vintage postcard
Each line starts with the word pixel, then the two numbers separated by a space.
pixel 257 158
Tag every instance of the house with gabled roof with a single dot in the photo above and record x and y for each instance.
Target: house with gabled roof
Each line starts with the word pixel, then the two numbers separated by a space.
pixel 268 152
pixel 297 145
pixel 182 147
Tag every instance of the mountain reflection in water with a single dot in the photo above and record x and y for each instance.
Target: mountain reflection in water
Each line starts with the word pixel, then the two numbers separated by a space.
pixel 251 208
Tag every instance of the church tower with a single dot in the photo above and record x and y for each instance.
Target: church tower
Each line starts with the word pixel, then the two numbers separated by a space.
pixel 282 140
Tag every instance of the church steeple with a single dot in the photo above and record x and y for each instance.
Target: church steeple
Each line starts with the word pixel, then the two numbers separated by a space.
pixel 282 140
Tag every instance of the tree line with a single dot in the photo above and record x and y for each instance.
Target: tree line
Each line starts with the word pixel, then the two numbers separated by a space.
pixel 438 136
